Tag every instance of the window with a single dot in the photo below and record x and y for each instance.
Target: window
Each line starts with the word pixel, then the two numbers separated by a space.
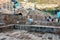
pixel 4 5
pixel 50 38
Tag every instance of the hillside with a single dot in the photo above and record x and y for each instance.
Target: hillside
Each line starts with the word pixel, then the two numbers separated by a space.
pixel 45 1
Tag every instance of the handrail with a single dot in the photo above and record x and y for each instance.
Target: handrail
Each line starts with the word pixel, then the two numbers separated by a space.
pixel 39 26
pixel 6 25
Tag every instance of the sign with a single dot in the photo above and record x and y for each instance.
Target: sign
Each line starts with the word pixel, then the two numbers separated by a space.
pixel 58 14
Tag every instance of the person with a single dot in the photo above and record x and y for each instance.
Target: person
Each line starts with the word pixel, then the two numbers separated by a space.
pixel 48 18
pixel 29 20
pixel 5 18
pixel 57 20
pixel 52 19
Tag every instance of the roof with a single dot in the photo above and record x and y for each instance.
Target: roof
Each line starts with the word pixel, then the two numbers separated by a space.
pixel 3 1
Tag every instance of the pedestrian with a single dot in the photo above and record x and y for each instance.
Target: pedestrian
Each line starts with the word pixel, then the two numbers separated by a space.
pixel 48 18
pixel 29 20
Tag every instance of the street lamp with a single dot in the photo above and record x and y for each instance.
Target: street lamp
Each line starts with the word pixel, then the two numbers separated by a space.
pixel 14 1
pixel 16 5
